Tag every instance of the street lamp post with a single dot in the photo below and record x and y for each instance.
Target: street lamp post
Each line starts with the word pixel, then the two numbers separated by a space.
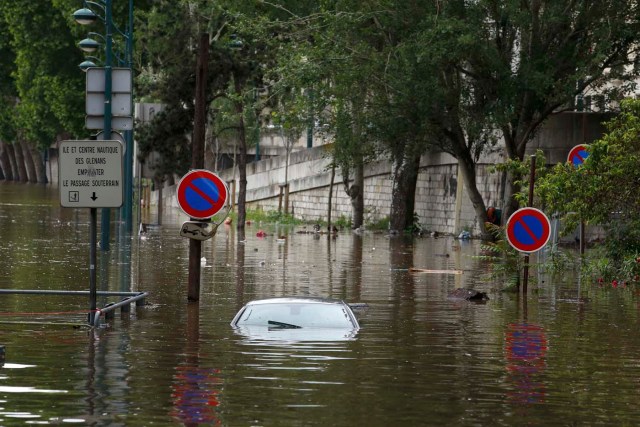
pixel 86 16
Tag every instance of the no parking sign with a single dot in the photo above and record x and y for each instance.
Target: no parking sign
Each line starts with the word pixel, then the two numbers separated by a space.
pixel 201 194
pixel 578 154
pixel 528 230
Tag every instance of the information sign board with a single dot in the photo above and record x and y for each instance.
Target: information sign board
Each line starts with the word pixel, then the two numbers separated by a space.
pixel 90 174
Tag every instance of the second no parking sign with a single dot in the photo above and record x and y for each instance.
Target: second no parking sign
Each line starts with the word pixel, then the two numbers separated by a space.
pixel 201 194
pixel 528 230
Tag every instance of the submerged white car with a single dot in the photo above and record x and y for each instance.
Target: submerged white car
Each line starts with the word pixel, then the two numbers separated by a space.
pixel 296 318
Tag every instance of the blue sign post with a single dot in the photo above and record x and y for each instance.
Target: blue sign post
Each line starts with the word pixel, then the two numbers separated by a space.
pixel 528 230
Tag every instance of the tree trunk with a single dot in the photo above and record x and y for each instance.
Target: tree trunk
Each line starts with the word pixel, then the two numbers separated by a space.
pixel 403 193
pixel 11 153
pixel 30 167
pixel 20 163
pixel 159 186
pixel 509 203
pixel 40 166
pixel 5 164
pixel 469 176
pixel 330 204
pixel 357 202
pixel 355 193
pixel 242 162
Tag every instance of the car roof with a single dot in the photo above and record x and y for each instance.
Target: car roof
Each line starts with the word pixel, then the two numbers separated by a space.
pixel 289 300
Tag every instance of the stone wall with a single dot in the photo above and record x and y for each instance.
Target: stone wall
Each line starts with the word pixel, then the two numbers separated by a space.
pixel 442 202
pixel 437 193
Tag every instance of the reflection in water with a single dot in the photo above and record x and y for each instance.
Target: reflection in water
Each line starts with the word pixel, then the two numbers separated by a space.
pixel 107 375
pixel 255 334
pixel 526 348
pixel 195 389
pixel 195 394
pixel 240 255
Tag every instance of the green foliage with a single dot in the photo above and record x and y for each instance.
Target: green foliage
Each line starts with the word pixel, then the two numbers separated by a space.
pixel 343 222
pixel 560 261
pixel 506 262
pixel 598 268
pixel 380 224
pixel 604 190
pixel 415 226
pixel 42 88
pixel 521 171
pixel 270 217
pixel 166 135
pixel 395 77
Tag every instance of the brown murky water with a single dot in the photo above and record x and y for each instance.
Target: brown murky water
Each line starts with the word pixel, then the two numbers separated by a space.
pixel 419 358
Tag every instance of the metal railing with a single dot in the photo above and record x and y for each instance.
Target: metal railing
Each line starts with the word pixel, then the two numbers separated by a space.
pixel 130 297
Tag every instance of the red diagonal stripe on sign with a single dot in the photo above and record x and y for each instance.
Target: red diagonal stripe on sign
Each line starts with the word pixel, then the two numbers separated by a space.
pixel 528 230
pixel 202 193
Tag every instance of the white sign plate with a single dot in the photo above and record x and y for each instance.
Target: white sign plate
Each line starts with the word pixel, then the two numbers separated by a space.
pixel 120 79
pixel 90 174
pixel 120 104
pixel 120 123
pixel 196 230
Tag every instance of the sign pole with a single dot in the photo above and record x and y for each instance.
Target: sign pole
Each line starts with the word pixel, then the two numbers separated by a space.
pixel 90 176
pixel 577 156
pixel 197 157
pixel 93 294
pixel 532 180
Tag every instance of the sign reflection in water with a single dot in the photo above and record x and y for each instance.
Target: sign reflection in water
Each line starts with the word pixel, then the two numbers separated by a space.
pixel 526 348
pixel 195 395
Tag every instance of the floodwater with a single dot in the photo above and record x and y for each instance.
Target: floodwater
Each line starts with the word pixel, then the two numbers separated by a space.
pixel 565 357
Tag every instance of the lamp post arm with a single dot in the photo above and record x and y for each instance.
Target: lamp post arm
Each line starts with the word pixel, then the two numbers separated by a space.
pixel 102 6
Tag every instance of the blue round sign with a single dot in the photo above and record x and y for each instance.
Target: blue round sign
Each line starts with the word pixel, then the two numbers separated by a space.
pixel 201 194
pixel 528 230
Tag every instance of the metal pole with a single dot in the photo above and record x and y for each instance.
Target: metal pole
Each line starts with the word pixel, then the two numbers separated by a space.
pixel 584 141
pixel 532 180
pixel 128 135
pixel 93 298
pixel 106 212
pixel 197 157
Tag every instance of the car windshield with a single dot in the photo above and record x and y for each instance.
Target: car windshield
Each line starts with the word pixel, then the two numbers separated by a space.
pixel 296 315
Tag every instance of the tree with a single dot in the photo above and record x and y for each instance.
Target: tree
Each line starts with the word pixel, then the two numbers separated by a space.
pixel 507 66
pixel 356 61
pixel 43 90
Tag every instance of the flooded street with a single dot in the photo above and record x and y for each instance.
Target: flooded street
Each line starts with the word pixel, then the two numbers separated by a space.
pixel 419 358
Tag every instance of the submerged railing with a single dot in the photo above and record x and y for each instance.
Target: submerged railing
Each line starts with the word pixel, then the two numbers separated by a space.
pixel 107 311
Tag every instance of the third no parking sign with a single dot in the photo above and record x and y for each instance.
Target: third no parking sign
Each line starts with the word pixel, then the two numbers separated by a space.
pixel 528 230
